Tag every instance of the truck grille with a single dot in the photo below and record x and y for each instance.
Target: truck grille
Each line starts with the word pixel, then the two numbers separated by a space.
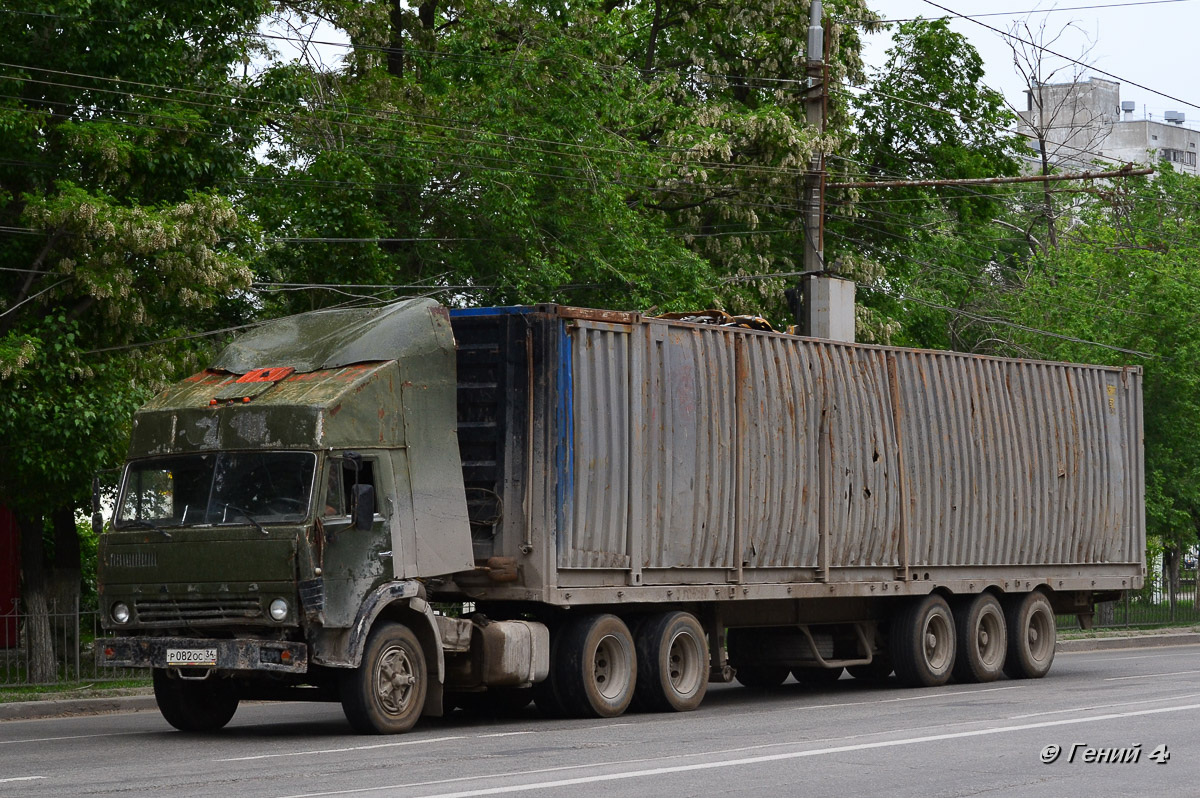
pixel 198 610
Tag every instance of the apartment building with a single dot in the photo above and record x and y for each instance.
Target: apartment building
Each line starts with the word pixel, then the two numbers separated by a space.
pixel 1087 121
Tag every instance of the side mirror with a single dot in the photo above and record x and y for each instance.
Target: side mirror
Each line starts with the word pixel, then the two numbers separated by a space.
pixel 363 497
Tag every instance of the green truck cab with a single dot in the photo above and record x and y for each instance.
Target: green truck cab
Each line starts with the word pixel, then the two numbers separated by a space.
pixel 276 506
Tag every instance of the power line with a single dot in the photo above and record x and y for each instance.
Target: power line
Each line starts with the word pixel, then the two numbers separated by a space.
pixel 1028 12
pixel 1060 55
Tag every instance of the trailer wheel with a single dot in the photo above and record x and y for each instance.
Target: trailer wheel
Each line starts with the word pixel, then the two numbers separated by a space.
pixel 981 638
pixel 814 674
pixel 595 670
pixel 922 642
pixel 194 706
pixel 1031 633
pixel 672 663
pixel 386 693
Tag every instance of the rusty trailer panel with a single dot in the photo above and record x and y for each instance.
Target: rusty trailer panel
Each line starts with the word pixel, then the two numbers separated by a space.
pixel 667 453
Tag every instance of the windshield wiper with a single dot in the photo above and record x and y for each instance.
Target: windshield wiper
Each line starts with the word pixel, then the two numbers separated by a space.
pixel 141 523
pixel 248 517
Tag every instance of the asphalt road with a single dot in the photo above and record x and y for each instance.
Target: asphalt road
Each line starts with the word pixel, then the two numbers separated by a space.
pixel 848 738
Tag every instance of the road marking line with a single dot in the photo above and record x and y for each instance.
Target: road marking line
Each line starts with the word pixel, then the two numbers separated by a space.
pixel 632 774
pixel 23 778
pixel 1105 706
pixel 1148 676
pixel 1118 659
pixel 75 737
pixel 949 694
pixel 506 734
pixel 425 741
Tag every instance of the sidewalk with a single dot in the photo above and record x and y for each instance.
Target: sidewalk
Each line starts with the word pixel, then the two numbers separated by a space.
pixel 101 702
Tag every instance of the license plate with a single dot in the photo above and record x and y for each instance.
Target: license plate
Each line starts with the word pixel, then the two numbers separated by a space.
pixel 192 656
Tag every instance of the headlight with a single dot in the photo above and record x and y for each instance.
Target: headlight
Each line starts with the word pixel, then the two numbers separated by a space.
pixel 279 609
pixel 120 612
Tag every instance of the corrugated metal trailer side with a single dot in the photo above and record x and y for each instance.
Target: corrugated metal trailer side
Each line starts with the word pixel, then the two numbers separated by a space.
pixel 640 459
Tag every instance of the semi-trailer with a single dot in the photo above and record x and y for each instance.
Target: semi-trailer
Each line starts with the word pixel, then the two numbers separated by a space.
pixel 410 508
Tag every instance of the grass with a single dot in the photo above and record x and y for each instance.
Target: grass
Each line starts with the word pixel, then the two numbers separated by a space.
pixel 81 689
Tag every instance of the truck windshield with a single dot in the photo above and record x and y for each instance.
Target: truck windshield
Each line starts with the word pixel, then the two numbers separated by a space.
pixel 217 488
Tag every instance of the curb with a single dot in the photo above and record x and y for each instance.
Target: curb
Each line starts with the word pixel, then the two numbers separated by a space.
pixel 1137 641
pixel 71 707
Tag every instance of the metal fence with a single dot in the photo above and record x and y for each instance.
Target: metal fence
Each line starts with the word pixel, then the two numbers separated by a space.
pixel 1154 605
pixel 74 635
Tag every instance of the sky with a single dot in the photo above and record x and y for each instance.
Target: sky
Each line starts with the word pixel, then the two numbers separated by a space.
pixel 1155 43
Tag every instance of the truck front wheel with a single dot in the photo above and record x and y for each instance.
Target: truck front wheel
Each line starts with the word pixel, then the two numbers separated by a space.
pixel 596 669
pixel 386 693
pixel 194 705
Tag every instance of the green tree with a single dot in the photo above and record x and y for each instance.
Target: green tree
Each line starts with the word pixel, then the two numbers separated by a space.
pixel 122 142
pixel 615 153
pixel 928 116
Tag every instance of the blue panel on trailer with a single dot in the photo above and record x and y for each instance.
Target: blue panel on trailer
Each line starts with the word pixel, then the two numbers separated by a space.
pixel 565 428
pixel 509 310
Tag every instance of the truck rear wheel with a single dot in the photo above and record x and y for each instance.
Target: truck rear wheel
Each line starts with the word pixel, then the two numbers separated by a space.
pixel 595 668
pixel 672 663
pixel 194 705
pixel 386 693
pixel 982 640
pixel 922 642
pixel 1031 633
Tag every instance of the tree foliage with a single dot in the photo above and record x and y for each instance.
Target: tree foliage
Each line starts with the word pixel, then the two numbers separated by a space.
pixel 1124 277
pixel 928 115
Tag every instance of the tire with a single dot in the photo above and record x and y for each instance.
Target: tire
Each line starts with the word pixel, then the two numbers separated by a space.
pixel 386 693
pixel 545 696
pixel 545 693
pixel 812 674
pixel 194 706
pixel 981 639
pixel 672 663
pixel 595 669
pixel 1031 635
pixel 758 676
pixel 922 642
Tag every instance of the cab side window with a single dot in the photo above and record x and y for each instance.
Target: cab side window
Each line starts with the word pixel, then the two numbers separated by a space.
pixel 335 495
pixel 340 481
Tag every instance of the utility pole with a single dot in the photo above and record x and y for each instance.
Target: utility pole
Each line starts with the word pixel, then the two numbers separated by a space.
pixel 822 303
pixel 814 114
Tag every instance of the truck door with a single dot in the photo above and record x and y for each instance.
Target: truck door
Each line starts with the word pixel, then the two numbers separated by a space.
pixel 355 561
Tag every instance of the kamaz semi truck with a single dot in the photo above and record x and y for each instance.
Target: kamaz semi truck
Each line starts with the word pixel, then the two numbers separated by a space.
pixel 410 508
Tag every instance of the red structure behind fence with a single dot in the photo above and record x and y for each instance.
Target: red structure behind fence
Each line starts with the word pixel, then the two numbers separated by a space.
pixel 10 578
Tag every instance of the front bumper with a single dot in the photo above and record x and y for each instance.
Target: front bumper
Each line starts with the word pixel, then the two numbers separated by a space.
pixel 277 656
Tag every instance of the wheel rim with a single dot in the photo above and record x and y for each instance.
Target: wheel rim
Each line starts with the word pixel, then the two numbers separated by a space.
pixel 610 668
pixel 683 663
pixel 1041 635
pixel 395 680
pixel 938 645
pixel 990 639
